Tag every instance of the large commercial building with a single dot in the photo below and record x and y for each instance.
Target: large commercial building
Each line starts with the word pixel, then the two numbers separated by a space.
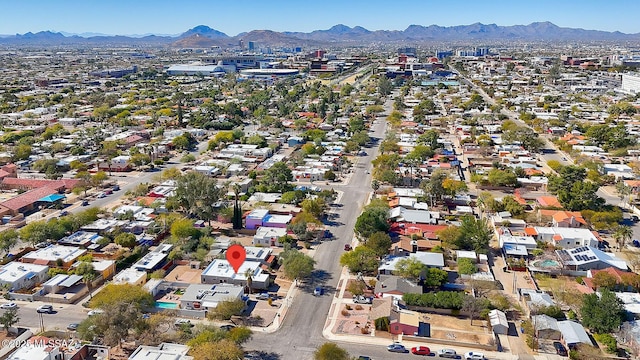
pixel 197 70
pixel 630 83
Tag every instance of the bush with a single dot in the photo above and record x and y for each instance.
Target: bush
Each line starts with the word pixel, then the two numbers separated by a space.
pixel 345 312
pixel 382 324
pixel 439 300
pixel 610 343
pixel 359 307
pixel 348 307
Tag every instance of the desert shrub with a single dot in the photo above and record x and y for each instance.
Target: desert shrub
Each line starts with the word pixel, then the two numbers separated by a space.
pixel 345 312
pixel 358 307
pixel 382 324
pixel 348 307
pixel 610 343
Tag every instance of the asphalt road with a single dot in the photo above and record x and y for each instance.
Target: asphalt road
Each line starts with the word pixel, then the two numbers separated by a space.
pixel 301 330
pixel 62 316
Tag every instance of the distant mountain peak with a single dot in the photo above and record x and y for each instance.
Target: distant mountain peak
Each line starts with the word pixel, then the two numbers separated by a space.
pixel 204 30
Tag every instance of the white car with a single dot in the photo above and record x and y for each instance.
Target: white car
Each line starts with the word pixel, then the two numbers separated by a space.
pixel 181 322
pixel 471 355
pixel 95 312
pixel 447 353
pixel 263 296
pixel 10 305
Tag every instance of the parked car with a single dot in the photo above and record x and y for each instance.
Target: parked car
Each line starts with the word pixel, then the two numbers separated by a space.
pixel 635 218
pixel 362 357
pixel 85 202
pixel 64 213
pixel 263 296
pixel 420 350
pixel 636 243
pixel 471 355
pixel 398 348
pixel 560 349
pixel 95 312
pixel 318 291
pixel 182 322
pixel 447 353
pixel 101 195
pixel 359 299
pixel 46 309
pixel 116 187
pixel 347 247
pixel 73 326
pixel 9 305
pixel 108 192
pixel 227 327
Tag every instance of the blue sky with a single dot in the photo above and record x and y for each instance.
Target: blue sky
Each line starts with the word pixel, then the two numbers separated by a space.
pixel 236 16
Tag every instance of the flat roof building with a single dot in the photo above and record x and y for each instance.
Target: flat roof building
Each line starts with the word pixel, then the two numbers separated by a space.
pixel 17 275
pixel 52 253
pixel 207 297
pixel 220 271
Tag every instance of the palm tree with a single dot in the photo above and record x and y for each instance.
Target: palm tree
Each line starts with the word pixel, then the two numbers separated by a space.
pixel 622 234
pixel 249 275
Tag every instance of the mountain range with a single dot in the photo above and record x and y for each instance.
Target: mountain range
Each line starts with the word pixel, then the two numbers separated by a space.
pixel 204 36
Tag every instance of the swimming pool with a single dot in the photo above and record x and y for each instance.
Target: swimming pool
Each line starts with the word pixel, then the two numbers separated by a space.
pixel 166 305
pixel 547 263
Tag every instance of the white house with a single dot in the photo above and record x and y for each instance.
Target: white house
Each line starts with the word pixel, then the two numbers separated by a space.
pixel 17 275
pixel 268 236
pixel 162 351
pixel 207 297
pixel 220 271
pixel 130 276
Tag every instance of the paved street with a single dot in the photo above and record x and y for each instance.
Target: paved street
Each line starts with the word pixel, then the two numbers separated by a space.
pixel 301 331
pixel 63 315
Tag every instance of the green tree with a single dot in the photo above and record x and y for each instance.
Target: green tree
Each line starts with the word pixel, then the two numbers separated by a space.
pixel 380 243
pixel 433 186
pixel 220 350
pixel 360 260
pixel 581 196
pixel 127 240
pixel 475 234
pixel 466 266
pixel 276 178
pixel 130 294
pixel 8 239
pixel 197 194
pixel 602 314
pixel 436 277
pixel 9 318
pixel 298 265
pixel 411 268
pixel 622 234
pixel 292 197
pixel 330 351
pixel 35 232
pixel 499 177
pixel 227 309
pixel 372 220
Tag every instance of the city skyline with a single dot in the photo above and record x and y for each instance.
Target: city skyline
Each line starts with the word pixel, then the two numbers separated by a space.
pixel 159 17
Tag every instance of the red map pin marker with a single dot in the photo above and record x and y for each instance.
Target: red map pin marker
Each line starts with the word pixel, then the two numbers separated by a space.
pixel 235 256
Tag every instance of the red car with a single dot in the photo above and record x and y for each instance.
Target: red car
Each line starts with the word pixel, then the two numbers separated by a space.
pixel 420 350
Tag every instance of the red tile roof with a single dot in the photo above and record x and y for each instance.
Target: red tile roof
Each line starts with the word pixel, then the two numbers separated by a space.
pixel 39 183
pixel 28 198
